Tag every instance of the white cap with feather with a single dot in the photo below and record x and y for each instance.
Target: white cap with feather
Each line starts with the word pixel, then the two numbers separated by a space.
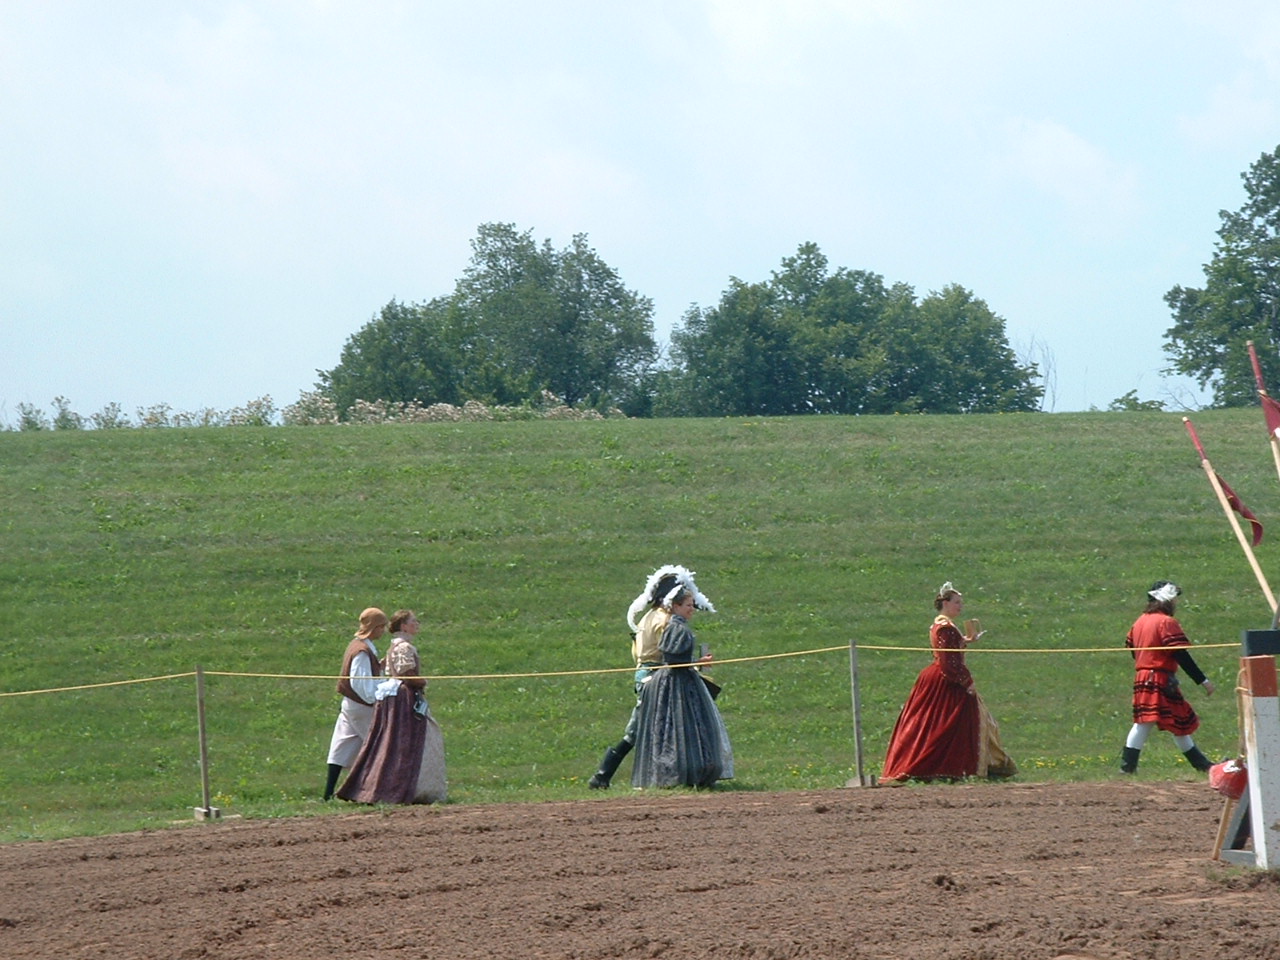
pixel 659 586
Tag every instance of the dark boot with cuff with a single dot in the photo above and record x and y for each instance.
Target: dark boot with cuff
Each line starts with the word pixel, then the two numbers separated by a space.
pixel 609 765
pixel 1129 760
pixel 1197 759
pixel 331 781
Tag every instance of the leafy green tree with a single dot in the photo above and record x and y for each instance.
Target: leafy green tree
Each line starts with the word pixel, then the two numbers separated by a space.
pixel 417 352
pixel 524 319
pixel 739 357
pixel 1240 300
pixel 506 297
pixel 960 360
pixel 845 342
pixel 836 317
pixel 562 315
pixel 813 341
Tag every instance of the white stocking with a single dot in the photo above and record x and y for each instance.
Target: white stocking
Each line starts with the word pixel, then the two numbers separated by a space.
pixel 1138 735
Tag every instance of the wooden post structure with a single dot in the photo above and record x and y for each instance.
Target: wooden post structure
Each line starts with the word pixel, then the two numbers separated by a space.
pixel 207 812
pixel 861 780
pixel 1262 750
pixel 1254 820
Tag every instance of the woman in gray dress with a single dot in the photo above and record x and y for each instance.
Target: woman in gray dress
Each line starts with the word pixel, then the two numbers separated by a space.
pixel 680 736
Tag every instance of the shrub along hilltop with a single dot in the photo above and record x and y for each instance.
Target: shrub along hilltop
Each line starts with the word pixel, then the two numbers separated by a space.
pixel 129 554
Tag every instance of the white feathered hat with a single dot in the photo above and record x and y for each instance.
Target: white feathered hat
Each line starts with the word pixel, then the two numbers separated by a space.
pixel 660 583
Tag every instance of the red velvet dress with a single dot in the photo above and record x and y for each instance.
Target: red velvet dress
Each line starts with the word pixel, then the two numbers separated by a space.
pixel 944 730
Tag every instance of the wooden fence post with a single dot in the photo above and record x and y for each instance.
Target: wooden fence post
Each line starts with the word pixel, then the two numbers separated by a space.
pixel 206 812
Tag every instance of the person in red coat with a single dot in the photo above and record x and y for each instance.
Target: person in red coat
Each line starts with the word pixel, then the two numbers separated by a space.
pixel 1159 647
pixel 945 730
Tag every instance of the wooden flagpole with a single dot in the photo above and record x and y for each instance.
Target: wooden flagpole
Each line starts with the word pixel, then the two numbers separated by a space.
pixel 1262 392
pixel 1231 516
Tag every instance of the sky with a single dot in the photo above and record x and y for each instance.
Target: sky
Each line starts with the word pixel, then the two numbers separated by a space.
pixel 201 202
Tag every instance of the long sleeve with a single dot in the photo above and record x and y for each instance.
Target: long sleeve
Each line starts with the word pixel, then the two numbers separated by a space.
pixel 945 637
pixel 363 681
pixel 1188 663
pixel 677 641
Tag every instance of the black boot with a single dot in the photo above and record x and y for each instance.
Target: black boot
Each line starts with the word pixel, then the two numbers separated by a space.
pixel 609 765
pixel 1197 759
pixel 335 771
pixel 1129 760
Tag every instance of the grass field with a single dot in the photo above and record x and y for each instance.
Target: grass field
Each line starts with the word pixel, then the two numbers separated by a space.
pixel 133 554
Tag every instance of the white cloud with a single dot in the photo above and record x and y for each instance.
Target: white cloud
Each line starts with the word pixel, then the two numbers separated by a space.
pixel 1095 193
pixel 754 25
pixel 772 44
pixel 1237 113
pixel 1240 107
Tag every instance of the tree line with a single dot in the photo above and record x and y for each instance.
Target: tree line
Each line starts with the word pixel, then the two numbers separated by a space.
pixel 527 320
pixel 531 330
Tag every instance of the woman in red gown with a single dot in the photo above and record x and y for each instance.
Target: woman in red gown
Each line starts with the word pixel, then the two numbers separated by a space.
pixel 945 730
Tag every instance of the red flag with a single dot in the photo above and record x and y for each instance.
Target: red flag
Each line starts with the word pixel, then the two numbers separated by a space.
pixel 1232 500
pixel 1241 509
pixel 1271 409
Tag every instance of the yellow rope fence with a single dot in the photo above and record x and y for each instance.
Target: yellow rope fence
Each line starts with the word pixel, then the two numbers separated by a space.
pixel 599 670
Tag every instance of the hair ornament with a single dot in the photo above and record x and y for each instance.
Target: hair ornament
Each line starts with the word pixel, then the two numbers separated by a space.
pixel 656 592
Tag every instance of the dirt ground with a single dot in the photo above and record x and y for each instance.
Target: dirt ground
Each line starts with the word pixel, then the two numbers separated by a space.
pixel 980 872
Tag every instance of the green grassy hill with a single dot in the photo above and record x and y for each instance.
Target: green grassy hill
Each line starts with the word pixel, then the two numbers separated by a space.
pixel 138 553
